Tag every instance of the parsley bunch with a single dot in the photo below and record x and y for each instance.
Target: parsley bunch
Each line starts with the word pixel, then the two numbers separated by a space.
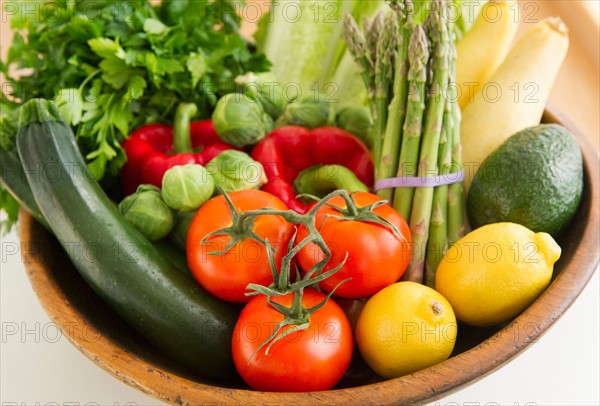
pixel 112 66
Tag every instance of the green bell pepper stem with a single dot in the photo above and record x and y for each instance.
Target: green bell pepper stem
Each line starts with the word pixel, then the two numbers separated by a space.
pixel 320 180
pixel 181 129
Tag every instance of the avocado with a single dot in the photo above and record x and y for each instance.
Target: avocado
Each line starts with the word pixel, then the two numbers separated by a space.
pixel 535 178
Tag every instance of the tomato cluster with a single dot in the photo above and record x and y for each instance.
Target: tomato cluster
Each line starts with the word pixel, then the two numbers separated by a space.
pixel 299 339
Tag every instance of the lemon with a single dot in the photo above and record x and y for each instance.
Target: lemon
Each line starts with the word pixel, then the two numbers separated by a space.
pixel 496 271
pixel 405 327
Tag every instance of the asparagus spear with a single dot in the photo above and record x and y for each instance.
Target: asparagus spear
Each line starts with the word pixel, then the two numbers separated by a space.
pixel 384 63
pixel 457 219
pixel 361 49
pixel 418 54
pixel 457 226
pixel 438 229
pixel 423 197
pixel 366 23
pixel 388 163
pixel 372 34
pixel 438 242
pixel 357 46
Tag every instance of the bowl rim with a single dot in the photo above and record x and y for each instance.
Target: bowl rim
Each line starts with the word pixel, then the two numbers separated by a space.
pixel 426 385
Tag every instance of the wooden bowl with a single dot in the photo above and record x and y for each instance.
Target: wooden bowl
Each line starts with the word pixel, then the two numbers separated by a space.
pixel 104 338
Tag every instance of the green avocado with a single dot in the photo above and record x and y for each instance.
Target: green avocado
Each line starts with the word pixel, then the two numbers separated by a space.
pixel 535 178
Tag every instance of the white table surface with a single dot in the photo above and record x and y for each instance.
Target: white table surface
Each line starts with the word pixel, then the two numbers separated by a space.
pixel 40 367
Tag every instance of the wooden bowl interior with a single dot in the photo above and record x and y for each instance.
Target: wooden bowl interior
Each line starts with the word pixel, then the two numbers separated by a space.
pixel 97 331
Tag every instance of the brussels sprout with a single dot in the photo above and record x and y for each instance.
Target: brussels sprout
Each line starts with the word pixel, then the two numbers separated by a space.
pixel 182 224
pixel 357 120
pixel 234 170
pixel 147 211
pixel 241 120
pixel 311 112
pixel 187 187
pixel 265 88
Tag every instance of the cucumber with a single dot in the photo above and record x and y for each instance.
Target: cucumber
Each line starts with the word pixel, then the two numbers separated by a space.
pixel 166 306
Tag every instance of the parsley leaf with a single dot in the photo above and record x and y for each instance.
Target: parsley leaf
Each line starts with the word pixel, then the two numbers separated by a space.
pixel 8 130
pixel 11 207
pixel 112 66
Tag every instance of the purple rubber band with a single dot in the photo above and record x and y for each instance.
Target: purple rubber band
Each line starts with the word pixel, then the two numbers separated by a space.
pixel 419 181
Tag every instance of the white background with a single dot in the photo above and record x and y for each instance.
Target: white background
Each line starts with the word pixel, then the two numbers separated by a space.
pixel 39 367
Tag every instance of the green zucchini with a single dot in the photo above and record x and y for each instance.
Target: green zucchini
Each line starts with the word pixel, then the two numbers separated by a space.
pixel 174 255
pixel 12 177
pixel 14 181
pixel 166 306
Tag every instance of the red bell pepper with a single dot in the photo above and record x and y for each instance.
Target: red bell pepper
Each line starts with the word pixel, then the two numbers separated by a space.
pixel 153 149
pixel 288 150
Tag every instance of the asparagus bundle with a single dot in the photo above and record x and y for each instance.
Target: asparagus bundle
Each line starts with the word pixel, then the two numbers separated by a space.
pixel 410 73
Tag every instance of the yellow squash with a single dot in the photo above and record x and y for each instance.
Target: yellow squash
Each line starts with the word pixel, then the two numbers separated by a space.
pixel 484 48
pixel 515 96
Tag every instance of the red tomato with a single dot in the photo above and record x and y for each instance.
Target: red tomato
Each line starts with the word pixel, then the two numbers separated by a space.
pixel 308 360
pixel 376 256
pixel 226 276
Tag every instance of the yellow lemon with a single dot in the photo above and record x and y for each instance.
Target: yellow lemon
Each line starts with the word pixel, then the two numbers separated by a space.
pixel 404 328
pixel 496 271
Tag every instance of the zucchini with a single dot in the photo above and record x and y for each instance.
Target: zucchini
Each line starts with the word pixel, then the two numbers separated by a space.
pixel 166 306
pixel 14 181
pixel 174 255
pixel 12 177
